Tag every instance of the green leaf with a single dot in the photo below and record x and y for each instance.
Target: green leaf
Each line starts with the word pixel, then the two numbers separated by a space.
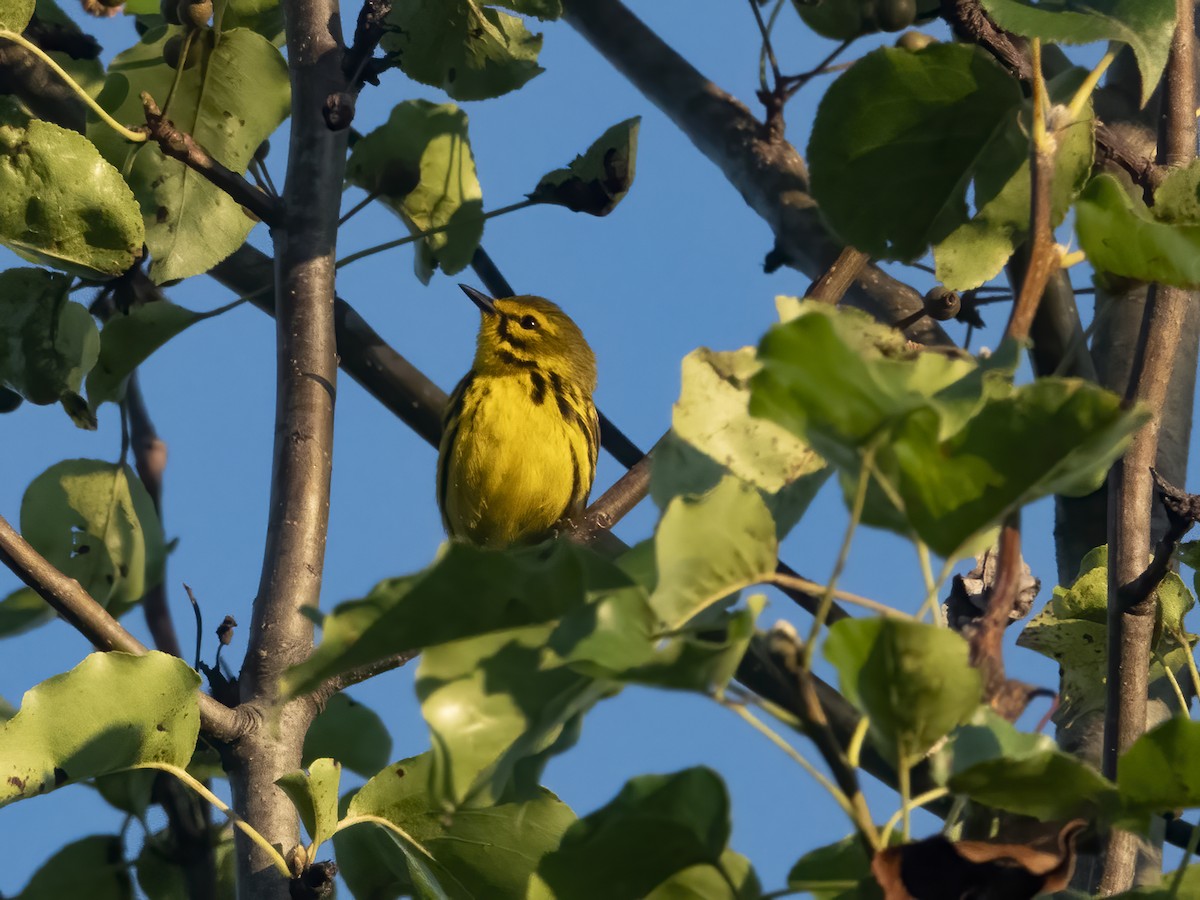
pixel 230 102
pixel 706 882
pixel 1045 784
pixel 492 703
pixel 47 343
pixel 596 181
pixel 1072 629
pixel 127 340
pixel 130 791
pixel 1122 237
pixel 162 878
pixel 111 711
pixel 657 826
pixel 490 852
pixel 466 592
pixel 543 9
pixel 1146 26
pixel 23 610
pixel 352 734
pixel 1189 886
pixel 928 115
pixel 263 16
pixel 15 14
pixel 832 872
pixel 92 867
pixel 315 795
pixel 420 163
pixel 95 522
pixel 1161 771
pixel 60 203
pixel 913 680
pixel 977 250
pixel 712 432
pixel 7 710
pixel 87 72
pixel 708 547
pixel 472 52
pixel 986 737
pixel 843 20
pixel 955 444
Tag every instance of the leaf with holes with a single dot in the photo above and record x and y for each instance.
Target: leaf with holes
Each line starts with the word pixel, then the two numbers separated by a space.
pixel 597 180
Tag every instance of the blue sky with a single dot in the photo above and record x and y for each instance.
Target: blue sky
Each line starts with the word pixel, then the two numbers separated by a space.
pixel 677 266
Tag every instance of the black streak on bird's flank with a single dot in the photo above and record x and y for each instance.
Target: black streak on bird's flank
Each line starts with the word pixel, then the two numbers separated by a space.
pixel 538 388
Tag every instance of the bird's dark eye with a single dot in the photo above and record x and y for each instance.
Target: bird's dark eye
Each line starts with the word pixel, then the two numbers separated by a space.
pixel 529 323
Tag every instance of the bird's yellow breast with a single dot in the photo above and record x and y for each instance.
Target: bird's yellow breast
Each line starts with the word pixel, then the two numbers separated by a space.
pixel 526 464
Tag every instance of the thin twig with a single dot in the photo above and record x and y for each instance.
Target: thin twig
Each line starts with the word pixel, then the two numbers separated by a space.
pixel 836 280
pixel 181 146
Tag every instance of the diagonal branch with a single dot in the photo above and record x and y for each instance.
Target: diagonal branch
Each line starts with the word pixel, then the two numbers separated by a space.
pixel 94 622
pixel 768 172
pixel 181 146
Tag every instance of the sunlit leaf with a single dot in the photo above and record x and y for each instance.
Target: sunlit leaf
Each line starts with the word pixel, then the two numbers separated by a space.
pixel 315 795
pixel 472 853
pixel 94 521
pixel 470 51
pixel 111 711
pixel 706 882
pixel 420 163
pixel 598 179
pixel 1122 237
pixel 712 433
pixel 231 100
pixel 15 14
pixel 61 204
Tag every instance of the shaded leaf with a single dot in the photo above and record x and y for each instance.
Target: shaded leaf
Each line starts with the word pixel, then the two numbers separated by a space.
pixel 1145 25
pixel 1161 771
pixel 977 250
pixel 712 432
pixel 706 882
pixel 351 733
pixel 466 592
pixel 489 852
pixel 1044 783
pixel 47 343
pixel 161 877
pixel 315 795
pixel 912 679
pixel 657 826
pixel 60 203
pixel 23 610
pixel 92 867
pixel 94 521
pixel 127 340
pixel 493 702
pixel 930 115
pixel 111 711
pixel 420 163
pixel 470 51
pixel 833 872
pixel 596 181
pixel 230 102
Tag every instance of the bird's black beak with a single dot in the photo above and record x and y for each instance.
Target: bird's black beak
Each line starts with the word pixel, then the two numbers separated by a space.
pixel 479 298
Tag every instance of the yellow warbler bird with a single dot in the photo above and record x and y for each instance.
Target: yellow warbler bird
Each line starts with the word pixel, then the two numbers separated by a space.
pixel 518 451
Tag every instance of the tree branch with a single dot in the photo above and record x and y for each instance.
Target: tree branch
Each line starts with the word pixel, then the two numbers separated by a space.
pixel 1131 627
pixel 768 173
pixel 93 621
pixel 280 635
pixel 181 146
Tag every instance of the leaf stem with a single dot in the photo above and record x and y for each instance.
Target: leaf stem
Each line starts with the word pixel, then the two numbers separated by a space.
pixel 1184 709
pixel 916 802
pixel 136 137
pixel 854 748
pixel 358 207
pixel 1188 852
pixel 904 784
pixel 400 242
pixel 860 497
pixel 782 579
pixel 268 848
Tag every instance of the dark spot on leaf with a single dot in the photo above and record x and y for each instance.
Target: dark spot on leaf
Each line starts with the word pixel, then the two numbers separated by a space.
pixel 60 776
pixel 123 569
pixel 81 550
pixel 162 214
pixel 160 727
pixel 400 773
pixel 1087 638
pixel 451 74
pixel 18 783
